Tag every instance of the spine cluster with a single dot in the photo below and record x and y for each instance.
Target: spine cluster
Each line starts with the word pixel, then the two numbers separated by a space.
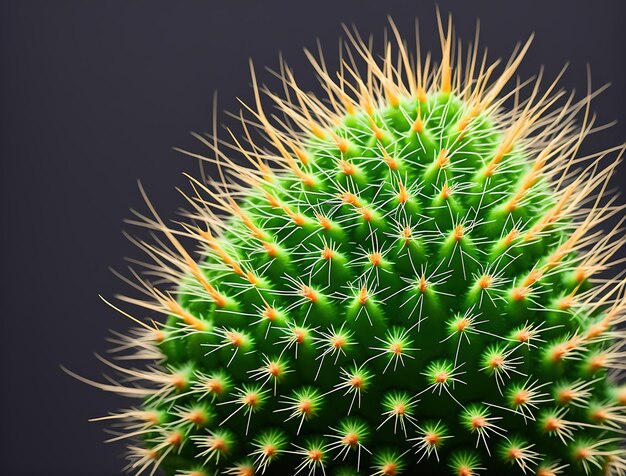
pixel 409 278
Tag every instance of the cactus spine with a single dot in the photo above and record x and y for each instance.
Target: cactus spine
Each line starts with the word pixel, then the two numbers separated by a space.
pixel 406 280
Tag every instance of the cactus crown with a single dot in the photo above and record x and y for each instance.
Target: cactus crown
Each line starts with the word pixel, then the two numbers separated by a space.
pixel 403 278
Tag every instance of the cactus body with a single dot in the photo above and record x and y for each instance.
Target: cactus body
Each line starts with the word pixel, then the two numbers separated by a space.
pixel 408 289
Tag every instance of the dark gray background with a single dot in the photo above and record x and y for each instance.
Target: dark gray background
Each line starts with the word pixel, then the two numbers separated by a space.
pixel 93 96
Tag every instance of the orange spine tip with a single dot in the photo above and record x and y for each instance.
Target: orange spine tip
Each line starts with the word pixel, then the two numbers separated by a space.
pixel 458 233
pixel 347 168
pixel 366 213
pixel 596 363
pixel 324 222
pixel 327 253
pixel 221 253
pixel 317 131
pixel 520 293
pixel 421 95
pixel 390 161
pixel 187 318
pixel 392 97
pixel 423 284
pixel 566 303
pixel 256 231
pixel 534 276
pixel 270 313
pixel 252 278
pixel 442 159
pixel 309 293
pixel 490 169
pixel 463 123
pixel 406 235
pixel 378 132
pixel 347 104
pixel 270 248
pixel 403 195
pixel 218 298
pixel 350 199
pixel 580 274
pixel 597 330
pixel 375 259
pixel 272 200
pixel 308 180
pixel 366 104
pixel 298 219
pixel 341 143
pixel 485 281
pixel 510 237
pixel 235 338
pixel 363 296
pixel 418 125
pixel 446 80
pixel 302 155
pixel 467 119
pixel 446 191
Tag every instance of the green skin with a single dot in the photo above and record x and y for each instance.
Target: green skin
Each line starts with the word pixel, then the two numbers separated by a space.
pixel 395 302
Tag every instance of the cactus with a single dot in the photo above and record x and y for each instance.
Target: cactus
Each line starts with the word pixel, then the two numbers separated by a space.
pixel 409 278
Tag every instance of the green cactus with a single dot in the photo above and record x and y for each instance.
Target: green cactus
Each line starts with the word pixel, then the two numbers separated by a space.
pixel 405 281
